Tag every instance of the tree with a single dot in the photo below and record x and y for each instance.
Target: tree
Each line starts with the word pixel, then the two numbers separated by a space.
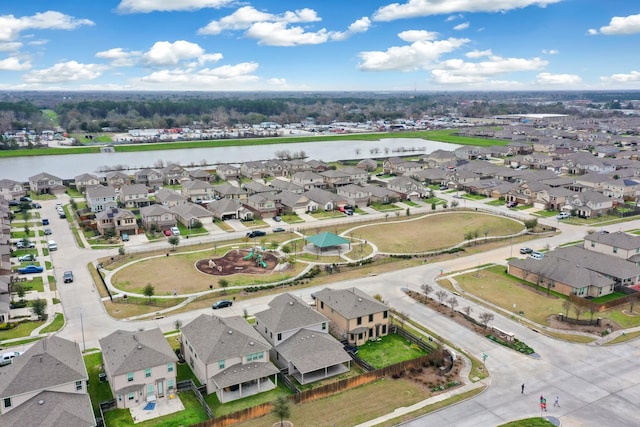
pixel 566 304
pixel 433 206
pixel 408 212
pixel 177 324
pixel 19 289
pixel 426 288
pixel 632 299
pixel 174 241
pixel 281 408
pixel 485 318
pixel 454 204
pixel 224 284
pixel 467 310
pixel 39 308
pixel 531 224
pixel 453 302
pixel 148 291
pixel 593 308
pixel 441 295
pixel 578 309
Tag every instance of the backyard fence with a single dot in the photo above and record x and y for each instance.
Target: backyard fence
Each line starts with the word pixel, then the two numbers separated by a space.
pixel 188 385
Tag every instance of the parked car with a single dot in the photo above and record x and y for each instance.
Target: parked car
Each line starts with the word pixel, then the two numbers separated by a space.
pixel 27 258
pixel 29 269
pixel 7 358
pixel 52 245
pixel 67 277
pixel 45 221
pixel 525 251
pixel 47 231
pixel 563 215
pixel 512 204
pixel 175 231
pixel 256 233
pixel 14 202
pixel 125 237
pixel 167 232
pixel 25 244
pixel 36 205
pixel 277 218
pixel 26 199
pixel 62 215
pixel 536 255
pixel 278 230
pixel 222 304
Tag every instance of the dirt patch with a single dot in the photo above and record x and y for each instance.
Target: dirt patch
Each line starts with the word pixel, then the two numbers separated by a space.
pixel 605 324
pixel 238 261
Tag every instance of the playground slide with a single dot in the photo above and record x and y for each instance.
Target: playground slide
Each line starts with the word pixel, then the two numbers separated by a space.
pixel 249 256
pixel 263 264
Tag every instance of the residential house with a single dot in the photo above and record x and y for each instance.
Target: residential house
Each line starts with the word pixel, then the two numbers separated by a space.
pixel 191 213
pixel 46 386
pixel 368 165
pixel 439 159
pixel 276 168
pixel 140 366
pixel 308 180
pixel 117 179
pixel 380 194
pixel 228 356
pixel 174 174
pixel 254 187
pixel 527 192
pixel 12 190
pixel 134 195
pixel 406 188
pixel 619 244
pixel 335 178
pixel 263 204
pixel 622 189
pixel 286 185
pixel 407 168
pixel 317 165
pixel 389 165
pixel 355 195
pixel 229 191
pixel 100 198
pixel 169 198
pixel 149 177
pixel 301 341
pixel 197 190
pixel 5 295
pixel 467 152
pixel 588 204
pixel 253 169
pixel 157 216
pixel 85 180
pixel 229 209
pixel 118 220
pixel 354 315
pixel 46 183
pixel 200 175
pixel 296 203
pixel 324 199
pixel 552 198
pixel 228 172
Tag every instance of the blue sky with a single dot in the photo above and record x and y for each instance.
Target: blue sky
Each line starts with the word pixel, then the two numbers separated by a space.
pixel 319 45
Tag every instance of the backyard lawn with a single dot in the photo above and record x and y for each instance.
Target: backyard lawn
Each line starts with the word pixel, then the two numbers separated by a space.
pixel 248 402
pixel 388 350
pixel 99 392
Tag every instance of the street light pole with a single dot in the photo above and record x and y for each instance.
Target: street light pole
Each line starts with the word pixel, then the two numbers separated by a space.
pixel 84 345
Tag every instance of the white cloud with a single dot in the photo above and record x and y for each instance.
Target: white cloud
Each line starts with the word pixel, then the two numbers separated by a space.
pixel 11 27
pixel 458 71
pixel 454 17
pixel 419 8
pixel 245 17
pixel 146 6
pixel 120 57
pixel 462 26
pixel 478 53
pixel 417 35
pixel 10 46
pixel 232 71
pixel 632 77
pixel 544 79
pixel 550 51
pixel 61 72
pixel 167 53
pixel 418 55
pixel 14 64
pixel 278 34
pixel 619 25
pixel 238 77
pixel 359 26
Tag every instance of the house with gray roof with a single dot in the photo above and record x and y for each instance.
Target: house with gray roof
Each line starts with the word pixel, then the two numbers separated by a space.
pixel 296 203
pixel 255 187
pixel 229 209
pixel 588 204
pixel 227 172
pixel 190 213
pixel 619 244
pixel 228 356
pixel 140 366
pixel 308 180
pixel 118 220
pixel 173 174
pixel 149 177
pixel 285 185
pixel 406 188
pixel 196 190
pixel 100 198
pixel 117 179
pixel 46 183
pixel 324 199
pixel 301 341
pixel 355 195
pixel 169 198
pixel 134 195
pixel 158 216
pixel 46 386
pixel 11 189
pixel 229 191
pixel 85 180
pixel 354 315
pixel 263 204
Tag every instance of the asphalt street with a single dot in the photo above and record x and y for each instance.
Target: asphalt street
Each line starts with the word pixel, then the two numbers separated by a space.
pixel 597 386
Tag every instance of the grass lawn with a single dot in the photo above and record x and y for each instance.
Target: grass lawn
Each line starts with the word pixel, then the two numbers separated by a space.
pixel 247 402
pixel 22 330
pixel 474 196
pixel 99 392
pixel 432 232
pixel 385 207
pixel 327 214
pixel 291 219
pixel 529 422
pixel 495 202
pixel 193 413
pixel 410 203
pixel 185 373
pixel 389 350
pixel 35 284
pixel 136 306
pixel 607 298
pixel 546 214
pixel 56 325
pixel 222 225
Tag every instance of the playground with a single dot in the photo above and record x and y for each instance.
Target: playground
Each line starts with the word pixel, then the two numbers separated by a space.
pixel 245 261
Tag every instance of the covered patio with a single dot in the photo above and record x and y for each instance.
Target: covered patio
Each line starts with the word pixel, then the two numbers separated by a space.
pixel 163 406
pixel 241 381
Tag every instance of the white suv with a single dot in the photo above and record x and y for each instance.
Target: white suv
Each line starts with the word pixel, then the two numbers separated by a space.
pixel 563 215
pixel 175 231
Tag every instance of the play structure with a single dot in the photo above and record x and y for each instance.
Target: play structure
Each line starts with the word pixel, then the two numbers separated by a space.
pixel 254 260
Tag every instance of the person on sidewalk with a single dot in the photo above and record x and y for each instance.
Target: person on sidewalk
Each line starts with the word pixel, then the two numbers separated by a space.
pixel 522 389
pixel 557 402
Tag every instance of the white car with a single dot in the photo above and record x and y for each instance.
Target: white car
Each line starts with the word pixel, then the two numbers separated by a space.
pixel 563 215
pixel 536 255
pixel 175 231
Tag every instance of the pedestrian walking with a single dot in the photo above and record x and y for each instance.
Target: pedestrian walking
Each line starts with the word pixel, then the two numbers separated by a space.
pixel 522 389
pixel 543 404
pixel 557 402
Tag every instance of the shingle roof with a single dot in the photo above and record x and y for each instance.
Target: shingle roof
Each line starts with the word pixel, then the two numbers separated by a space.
pixel 239 374
pixel 327 240
pixel 595 261
pixel 618 239
pixel 311 350
pixel 124 351
pixel 52 409
pixel 48 363
pixel 350 303
pixel 287 312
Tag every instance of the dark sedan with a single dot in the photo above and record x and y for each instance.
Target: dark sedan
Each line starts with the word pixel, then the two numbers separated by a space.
pixel 222 304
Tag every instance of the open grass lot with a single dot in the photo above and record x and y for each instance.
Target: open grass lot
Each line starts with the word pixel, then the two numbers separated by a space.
pixel 529 422
pixel 389 350
pixel 248 402
pixel 99 392
pixel 22 330
pixel 432 232
pixel 193 413
pixel 136 306
pixel 351 407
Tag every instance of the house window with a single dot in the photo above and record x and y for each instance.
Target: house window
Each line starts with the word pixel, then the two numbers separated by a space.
pixel 360 336
pixel 130 396
pixel 593 244
pixel 147 372
pixel 170 367
pixel 119 398
pixel 130 376
pixel 279 337
pixel 385 314
pixel 170 384
pixel 221 364
pixel 371 318
pixel 149 389
pixel 324 326
pixel 7 402
pixel 78 385
pixel 359 321
pixel 322 304
pixel 615 250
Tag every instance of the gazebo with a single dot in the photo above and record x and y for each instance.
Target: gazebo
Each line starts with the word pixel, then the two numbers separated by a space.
pixel 327 240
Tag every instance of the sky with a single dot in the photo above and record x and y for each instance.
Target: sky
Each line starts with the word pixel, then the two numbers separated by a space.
pixel 319 45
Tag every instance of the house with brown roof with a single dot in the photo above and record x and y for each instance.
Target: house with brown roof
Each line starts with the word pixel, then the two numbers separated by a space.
pixel 588 204
pixel 354 315
pixel 140 366
pixel 228 356
pixel 46 386
pixel 300 339
pixel 355 195
pixel 191 213
pixel 149 177
pixel 229 191
pixel 174 174
pixel 46 183
pixel 134 195
pixel 118 220
pixel 286 185
pixel 264 204
pixel 228 172
pixel 158 216
pixel 406 188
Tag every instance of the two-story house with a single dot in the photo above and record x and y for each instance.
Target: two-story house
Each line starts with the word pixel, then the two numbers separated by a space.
pixel 134 195
pixel 301 341
pixel 46 183
pixel 11 190
pixel 149 177
pixel 169 198
pixel 46 386
pixel 354 315
pixel 308 180
pixel 228 356
pixel 140 366
pixel 588 204
pixel 173 174
pixel 197 190
pixel 229 191
pixel 227 172
pixel 118 220
pixel 619 244
pixel 100 198
pixel 406 188
pixel 117 179
pixel 85 180
pixel 158 216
